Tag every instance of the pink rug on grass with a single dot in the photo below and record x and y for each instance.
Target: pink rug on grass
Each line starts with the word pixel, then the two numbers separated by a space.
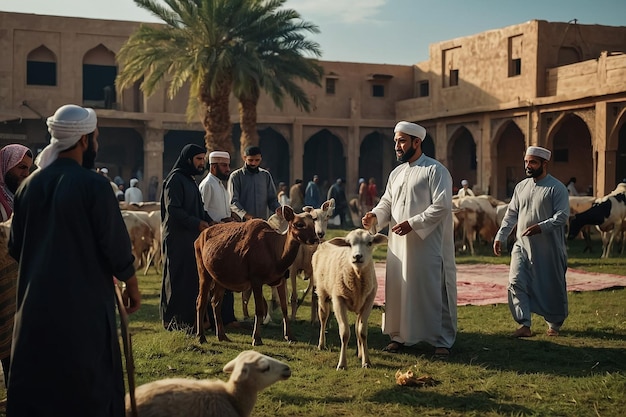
pixel 484 284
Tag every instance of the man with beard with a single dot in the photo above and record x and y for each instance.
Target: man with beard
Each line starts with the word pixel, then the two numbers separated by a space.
pixel 540 209
pixel 420 287
pixel 216 199
pixel 252 188
pixel 182 219
pixel 15 163
pixel 70 240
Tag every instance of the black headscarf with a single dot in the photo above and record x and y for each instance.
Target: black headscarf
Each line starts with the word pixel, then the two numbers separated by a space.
pixel 184 163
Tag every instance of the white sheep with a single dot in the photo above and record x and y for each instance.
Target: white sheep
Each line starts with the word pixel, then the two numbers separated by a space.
pixel 250 371
pixel 343 270
pixel 302 263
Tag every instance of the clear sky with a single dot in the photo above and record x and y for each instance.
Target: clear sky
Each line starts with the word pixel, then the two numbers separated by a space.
pixel 377 31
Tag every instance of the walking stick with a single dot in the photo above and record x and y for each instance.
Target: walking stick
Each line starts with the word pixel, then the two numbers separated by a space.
pixel 128 350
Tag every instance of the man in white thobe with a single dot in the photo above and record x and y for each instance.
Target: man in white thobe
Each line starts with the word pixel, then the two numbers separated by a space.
pixel 420 288
pixel 540 208
pixel 216 201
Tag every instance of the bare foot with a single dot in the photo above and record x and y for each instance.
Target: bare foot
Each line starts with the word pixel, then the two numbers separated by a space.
pixel 552 332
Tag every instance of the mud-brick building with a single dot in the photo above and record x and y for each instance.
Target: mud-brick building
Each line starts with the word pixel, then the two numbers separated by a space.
pixel 483 99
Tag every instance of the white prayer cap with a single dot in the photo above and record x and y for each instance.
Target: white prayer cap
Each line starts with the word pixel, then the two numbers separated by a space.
pixel 464 182
pixel 104 170
pixel 411 129
pixel 539 151
pixel 216 157
pixel 133 182
pixel 66 126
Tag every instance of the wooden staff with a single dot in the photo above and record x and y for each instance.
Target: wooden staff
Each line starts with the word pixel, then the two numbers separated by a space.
pixel 128 350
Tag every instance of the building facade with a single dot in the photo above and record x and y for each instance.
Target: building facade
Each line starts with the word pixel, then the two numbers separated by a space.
pixel 482 98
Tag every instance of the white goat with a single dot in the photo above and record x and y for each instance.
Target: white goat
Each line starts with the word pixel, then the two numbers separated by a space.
pixel 251 372
pixel 344 272
pixel 302 263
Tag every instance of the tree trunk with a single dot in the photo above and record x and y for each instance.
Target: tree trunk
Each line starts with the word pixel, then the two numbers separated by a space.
pixel 247 120
pixel 216 119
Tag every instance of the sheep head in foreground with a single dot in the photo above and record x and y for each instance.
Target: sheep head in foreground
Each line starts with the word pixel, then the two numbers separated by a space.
pixel 343 270
pixel 238 256
pixel 250 372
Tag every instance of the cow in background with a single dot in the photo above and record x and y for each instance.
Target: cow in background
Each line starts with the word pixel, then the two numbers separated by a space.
pixel 607 214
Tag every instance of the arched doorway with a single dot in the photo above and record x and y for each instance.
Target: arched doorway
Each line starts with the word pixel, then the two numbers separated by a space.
pixel 462 160
pixel 508 161
pixel 324 156
pixel 572 153
pixel 376 159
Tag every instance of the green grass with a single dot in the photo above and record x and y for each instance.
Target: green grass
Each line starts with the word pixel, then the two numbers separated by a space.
pixel 580 373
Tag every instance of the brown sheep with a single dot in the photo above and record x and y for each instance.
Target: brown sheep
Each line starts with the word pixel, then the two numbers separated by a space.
pixel 237 256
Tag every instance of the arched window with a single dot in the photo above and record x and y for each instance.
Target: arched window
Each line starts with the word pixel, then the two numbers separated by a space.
pixel 41 67
pixel 99 72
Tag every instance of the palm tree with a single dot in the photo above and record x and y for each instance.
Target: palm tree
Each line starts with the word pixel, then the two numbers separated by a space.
pixel 280 61
pixel 204 43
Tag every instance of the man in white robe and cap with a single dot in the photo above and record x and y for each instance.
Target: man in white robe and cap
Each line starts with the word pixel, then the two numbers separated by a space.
pixel 420 287
pixel 540 209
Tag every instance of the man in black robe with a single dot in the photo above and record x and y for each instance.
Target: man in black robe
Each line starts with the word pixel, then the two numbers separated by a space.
pixel 183 218
pixel 70 240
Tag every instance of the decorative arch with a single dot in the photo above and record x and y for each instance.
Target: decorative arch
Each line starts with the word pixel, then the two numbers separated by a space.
pixel 41 67
pixel 569 139
pixel 462 161
pixel 507 155
pixel 376 157
pixel 324 155
pixel 99 73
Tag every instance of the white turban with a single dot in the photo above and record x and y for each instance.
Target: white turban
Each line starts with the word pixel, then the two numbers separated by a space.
pixel 133 182
pixel 68 124
pixel 216 157
pixel 539 151
pixel 464 182
pixel 411 129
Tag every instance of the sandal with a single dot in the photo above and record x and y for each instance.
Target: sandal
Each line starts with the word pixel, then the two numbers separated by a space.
pixel 393 347
pixel 442 352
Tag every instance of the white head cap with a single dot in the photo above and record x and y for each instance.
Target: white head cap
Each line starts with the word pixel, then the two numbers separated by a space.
pixel 133 182
pixel 68 124
pixel 539 151
pixel 464 183
pixel 411 129
pixel 216 157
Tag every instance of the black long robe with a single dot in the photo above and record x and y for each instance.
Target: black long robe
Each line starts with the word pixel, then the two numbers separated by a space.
pixel 182 211
pixel 70 240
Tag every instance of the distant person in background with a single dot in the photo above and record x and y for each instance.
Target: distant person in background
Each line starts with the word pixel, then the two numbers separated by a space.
pixel 337 192
pixel 153 188
pixel 571 187
pixel 372 194
pixel 296 196
pixel 465 190
pixel 312 196
pixel 283 197
pixel 15 163
pixel 133 194
pixel 362 191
